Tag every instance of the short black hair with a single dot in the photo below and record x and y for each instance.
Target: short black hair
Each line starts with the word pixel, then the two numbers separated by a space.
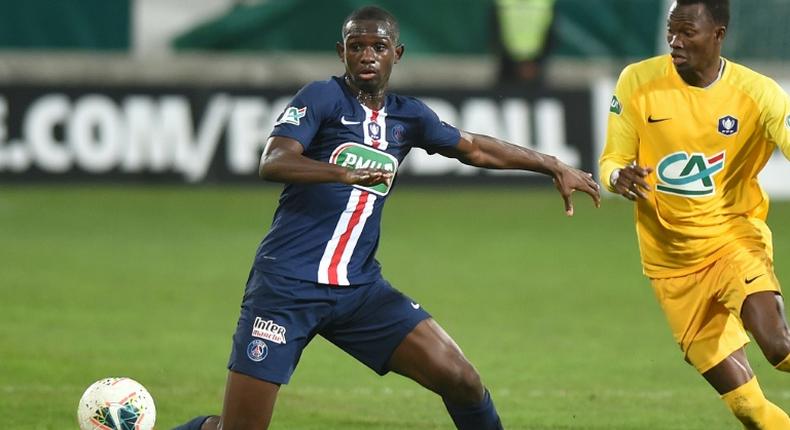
pixel 373 13
pixel 719 10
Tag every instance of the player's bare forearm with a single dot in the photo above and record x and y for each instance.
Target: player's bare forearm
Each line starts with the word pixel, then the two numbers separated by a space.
pixel 282 161
pixel 491 153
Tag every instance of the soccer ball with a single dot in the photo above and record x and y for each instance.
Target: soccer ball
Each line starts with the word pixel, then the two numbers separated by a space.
pixel 116 404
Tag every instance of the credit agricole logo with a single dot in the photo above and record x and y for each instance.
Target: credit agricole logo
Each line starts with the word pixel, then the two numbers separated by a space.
pixel 689 175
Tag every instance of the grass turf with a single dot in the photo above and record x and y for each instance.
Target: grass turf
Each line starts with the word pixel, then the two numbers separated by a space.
pixel 100 281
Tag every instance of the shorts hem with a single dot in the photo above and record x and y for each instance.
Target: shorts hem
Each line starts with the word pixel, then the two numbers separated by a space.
pixel 383 369
pixel 713 362
pixel 279 380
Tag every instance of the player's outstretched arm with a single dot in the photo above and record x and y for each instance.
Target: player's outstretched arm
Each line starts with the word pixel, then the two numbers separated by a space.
pixel 282 161
pixel 491 153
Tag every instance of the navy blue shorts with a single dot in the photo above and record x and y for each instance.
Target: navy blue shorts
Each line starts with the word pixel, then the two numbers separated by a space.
pixel 280 315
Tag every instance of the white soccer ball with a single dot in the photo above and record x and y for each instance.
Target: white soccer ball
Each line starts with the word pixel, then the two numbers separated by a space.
pixel 116 404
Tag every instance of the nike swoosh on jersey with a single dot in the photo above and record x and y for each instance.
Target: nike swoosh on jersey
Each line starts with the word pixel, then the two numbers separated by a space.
pixel 750 280
pixel 344 121
pixel 415 305
pixel 652 120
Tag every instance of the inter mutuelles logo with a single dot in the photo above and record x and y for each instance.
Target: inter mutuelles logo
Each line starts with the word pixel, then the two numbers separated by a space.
pixel 689 175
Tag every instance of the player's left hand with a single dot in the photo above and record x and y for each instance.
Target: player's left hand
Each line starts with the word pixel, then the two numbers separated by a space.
pixel 568 179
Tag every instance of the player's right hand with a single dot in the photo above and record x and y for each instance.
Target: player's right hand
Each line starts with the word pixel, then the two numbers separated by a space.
pixel 631 183
pixel 367 177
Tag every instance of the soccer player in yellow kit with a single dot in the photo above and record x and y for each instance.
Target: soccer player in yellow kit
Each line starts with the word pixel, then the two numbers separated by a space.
pixel 688 133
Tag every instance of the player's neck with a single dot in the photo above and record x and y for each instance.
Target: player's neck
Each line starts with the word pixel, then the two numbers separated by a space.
pixel 706 77
pixel 373 101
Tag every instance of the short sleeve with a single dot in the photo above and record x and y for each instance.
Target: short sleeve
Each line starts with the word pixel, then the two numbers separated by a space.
pixel 302 118
pixel 437 135
pixel 622 140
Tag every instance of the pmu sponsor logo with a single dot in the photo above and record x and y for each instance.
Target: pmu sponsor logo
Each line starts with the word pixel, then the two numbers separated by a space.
pixel 356 156
pixel 269 330
pixel 689 175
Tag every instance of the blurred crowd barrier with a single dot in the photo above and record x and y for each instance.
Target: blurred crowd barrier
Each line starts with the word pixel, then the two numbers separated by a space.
pixel 155 90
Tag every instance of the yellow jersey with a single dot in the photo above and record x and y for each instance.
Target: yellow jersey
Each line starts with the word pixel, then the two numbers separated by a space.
pixel 706 146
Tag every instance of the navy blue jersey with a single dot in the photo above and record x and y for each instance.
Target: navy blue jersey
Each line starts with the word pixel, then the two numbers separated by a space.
pixel 328 233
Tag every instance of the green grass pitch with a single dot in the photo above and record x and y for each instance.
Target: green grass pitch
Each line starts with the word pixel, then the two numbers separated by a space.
pixel 100 281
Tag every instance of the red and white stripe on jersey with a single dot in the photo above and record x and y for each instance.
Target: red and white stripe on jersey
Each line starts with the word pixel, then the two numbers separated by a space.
pixel 333 268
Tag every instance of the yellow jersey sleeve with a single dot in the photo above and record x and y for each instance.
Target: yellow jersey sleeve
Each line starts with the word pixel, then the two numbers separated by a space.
pixel 622 140
pixel 776 119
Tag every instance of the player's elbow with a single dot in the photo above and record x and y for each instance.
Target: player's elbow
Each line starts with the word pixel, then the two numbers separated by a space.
pixel 267 168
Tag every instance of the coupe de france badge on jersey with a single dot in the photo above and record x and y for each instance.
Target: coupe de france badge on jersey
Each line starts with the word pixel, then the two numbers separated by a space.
pixel 728 125
pixel 292 115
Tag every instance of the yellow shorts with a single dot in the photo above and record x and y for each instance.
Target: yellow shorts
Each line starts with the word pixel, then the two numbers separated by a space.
pixel 704 308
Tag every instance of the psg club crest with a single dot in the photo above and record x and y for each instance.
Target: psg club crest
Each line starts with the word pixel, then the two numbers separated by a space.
pixel 728 125
pixel 399 132
pixel 257 350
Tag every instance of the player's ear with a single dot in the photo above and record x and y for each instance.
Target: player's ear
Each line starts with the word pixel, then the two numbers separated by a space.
pixel 340 48
pixel 399 52
pixel 720 32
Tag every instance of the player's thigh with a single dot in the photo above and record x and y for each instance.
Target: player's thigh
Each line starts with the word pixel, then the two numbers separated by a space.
pixel 249 402
pixel 431 357
pixel 706 331
pixel 370 321
pixel 751 291
pixel 278 318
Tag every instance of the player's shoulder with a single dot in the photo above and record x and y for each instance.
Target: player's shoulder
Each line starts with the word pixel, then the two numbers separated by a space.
pixel 646 71
pixel 321 89
pixel 408 106
pixel 407 102
pixel 750 81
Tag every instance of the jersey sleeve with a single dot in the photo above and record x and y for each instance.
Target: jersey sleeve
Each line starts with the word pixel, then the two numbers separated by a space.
pixel 622 140
pixel 776 119
pixel 436 134
pixel 302 118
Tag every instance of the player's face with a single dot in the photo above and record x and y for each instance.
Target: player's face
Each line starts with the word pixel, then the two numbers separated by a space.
pixel 369 52
pixel 694 38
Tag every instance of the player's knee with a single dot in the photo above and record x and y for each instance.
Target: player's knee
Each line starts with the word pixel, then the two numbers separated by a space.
pixel 776 349
pixel 462 385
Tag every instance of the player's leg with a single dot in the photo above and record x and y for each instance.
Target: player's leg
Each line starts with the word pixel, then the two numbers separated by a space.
pixel 249 403
pixel 738 387
pixel 764 316
pixel 429 356
pixel 387 331
pixel 748 292
pixel 272 331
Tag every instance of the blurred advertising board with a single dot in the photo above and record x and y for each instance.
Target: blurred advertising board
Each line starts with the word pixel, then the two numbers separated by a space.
pixel 196 134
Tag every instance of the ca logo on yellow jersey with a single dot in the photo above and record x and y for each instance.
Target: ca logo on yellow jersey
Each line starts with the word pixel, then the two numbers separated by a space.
pixel 689 175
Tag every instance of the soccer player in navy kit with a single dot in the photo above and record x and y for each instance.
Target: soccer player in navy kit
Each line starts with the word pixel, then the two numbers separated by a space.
pixel 338 146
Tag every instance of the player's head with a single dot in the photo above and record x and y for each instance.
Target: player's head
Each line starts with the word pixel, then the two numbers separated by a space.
pixel 695 32
pixel 370 47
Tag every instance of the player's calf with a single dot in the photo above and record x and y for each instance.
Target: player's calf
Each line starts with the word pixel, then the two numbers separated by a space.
pixel 753 410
